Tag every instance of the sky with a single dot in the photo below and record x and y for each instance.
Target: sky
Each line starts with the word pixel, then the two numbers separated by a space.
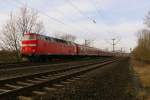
pixel 95 20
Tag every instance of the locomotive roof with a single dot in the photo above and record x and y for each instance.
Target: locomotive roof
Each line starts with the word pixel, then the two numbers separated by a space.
pixel 53 38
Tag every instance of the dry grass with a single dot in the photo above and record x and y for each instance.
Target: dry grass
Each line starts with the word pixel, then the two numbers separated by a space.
pixel 6 57
pixel 143 72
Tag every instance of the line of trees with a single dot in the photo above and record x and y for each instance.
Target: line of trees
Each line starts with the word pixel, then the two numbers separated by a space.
pixel 142 51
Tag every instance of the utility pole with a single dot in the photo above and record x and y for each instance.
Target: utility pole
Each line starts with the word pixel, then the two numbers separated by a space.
pixel 121 50
pixel 130 50
pixel 88 42
pixel 114 41
pixel 113 44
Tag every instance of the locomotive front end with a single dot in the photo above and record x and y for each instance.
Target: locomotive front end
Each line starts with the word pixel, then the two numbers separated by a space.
pixel 29 45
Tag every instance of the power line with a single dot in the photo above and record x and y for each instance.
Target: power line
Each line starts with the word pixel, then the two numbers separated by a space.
pixel 81 12
pixel 114 42
pixel 52 18
pixel 59 21
pixel 86 29
pixel 99 12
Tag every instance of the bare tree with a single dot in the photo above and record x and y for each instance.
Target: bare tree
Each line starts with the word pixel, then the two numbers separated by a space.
pixel 141 52
pixel 67 37
pixel 10 37
pixel 12 32
pixel 28 21
pixel 147 19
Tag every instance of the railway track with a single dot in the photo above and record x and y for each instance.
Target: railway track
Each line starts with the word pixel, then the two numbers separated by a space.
pixel 11 88
pixel 5 66
pixel 22 71
pixel 23 64
pixel 25 71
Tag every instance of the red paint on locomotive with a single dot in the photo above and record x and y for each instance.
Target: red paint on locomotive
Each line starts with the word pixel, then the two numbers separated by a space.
pixel 35 44
pixel 39 45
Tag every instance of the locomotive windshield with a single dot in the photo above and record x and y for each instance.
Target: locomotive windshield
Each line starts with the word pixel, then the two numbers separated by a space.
pixel 29 37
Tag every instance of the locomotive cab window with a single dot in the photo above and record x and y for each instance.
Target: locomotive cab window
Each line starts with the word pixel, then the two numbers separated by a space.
pixel 29 37
pixel 41 38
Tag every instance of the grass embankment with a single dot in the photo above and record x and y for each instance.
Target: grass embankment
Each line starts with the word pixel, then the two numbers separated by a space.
pixel 143 72
pixel 6 57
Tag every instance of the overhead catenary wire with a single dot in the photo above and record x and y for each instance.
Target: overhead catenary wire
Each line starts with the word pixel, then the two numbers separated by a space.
pixel 45 14
pixel 80 30
pixel 50 17
pixel 62 13
pixel 81 12
pixel 99 11
pixel 85 28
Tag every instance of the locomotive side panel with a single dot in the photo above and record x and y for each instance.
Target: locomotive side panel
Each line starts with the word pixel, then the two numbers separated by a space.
pixel 52 47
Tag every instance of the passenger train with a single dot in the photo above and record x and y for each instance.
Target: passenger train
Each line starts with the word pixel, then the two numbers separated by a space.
pixel 37 47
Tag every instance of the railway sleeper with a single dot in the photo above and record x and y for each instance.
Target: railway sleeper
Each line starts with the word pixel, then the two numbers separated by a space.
pixel 66 82
pixel 34 81
pixel 45 77
pixel 40 93
pixel 76 78
pixel 52 92
pixel 41 79
pixel 50 89
pixel 13 86
pixel 55 91
pixel 58 86
pixel 24 98
pixel 45 94
pixel 24 83
pixel 71 80
pixel 4 90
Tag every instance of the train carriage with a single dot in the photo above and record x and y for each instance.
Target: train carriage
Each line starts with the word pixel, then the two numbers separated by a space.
pixel 87 51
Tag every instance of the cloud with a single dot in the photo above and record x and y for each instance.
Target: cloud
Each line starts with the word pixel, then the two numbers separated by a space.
pixel 74 9
pixel 99 32
pixel 121 18
pixel 3 18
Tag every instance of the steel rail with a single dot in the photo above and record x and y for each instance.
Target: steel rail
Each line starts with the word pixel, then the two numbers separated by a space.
pixel 38 80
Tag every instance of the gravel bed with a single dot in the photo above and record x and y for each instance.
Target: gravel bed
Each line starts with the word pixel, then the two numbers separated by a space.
pixel 16 72
pixel 111 82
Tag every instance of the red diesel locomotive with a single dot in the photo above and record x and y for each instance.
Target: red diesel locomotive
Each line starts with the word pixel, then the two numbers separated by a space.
pixel 39 47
